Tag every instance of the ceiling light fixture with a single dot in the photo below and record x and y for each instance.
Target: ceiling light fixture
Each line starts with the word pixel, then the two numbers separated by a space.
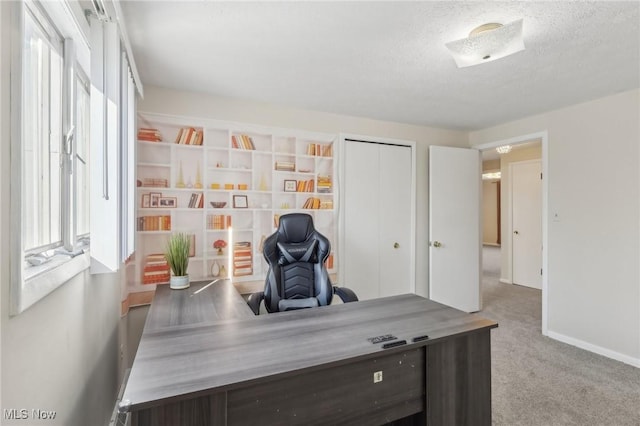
pixel 487 43
pixel 504 149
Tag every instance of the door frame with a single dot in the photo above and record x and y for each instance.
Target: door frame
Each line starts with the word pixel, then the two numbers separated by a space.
pixel 342 137
pixel 543 136
pixel 510 209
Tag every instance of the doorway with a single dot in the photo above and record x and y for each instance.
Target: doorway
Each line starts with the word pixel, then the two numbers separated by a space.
pixel 498 258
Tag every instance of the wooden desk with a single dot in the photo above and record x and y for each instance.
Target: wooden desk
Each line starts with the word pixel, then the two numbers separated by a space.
pixel 204 359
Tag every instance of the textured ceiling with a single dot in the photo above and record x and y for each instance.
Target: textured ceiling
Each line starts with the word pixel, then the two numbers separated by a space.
pixel 388 60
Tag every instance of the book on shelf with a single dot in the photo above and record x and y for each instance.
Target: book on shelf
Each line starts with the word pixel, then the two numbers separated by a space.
pixel 242 258
pixel 154 223
pixel 149 135
pixel 325 184
pixel 305 186
pixel 155 183
pixel 189 136
pixel 242 142
pixel 192 245
pixel 316 203
pixel 156 269
pixel 285 166
pixel 218 221
pixel 320 150
pixel 196 201
pixel 329 262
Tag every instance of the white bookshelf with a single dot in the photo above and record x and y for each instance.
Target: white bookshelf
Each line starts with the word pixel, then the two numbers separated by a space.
pixel 255 183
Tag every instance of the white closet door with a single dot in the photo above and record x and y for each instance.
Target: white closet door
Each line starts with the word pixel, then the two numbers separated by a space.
pixel 394 213
pixel 377 226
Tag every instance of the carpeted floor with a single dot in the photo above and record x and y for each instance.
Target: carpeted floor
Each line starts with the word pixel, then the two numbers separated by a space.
pixel 540 381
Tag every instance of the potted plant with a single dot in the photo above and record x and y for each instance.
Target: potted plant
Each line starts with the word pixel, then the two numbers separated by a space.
pixel 177 254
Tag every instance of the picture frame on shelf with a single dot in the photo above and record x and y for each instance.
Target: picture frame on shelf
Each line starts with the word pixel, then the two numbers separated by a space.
pixel 145 201
pixel 240 202
pixel 154 199
pixel 168 202
pixel 290 185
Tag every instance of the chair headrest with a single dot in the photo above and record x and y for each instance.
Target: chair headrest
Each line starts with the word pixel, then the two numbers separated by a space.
pixel 297 252
pixel 295 227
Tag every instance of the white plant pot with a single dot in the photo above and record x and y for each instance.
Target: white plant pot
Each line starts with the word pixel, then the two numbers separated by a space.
pixel 179 283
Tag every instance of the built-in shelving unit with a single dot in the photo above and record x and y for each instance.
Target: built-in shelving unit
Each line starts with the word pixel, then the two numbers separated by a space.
pixel 231 187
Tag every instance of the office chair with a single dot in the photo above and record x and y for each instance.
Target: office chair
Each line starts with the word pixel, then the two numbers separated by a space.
pixel 297 277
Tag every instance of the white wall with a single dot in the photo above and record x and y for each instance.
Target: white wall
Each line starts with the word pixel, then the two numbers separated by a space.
pixel 594 247
pixel 62 353
pixel 167 101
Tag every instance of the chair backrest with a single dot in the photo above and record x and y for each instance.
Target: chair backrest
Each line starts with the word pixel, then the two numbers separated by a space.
pixel 296 254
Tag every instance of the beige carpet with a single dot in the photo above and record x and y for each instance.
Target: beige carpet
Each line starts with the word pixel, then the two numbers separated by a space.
pixel 540 381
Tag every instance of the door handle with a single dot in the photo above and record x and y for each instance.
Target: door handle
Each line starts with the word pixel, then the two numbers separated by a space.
pixel 396 245
pixel 516 232
pixel 437 244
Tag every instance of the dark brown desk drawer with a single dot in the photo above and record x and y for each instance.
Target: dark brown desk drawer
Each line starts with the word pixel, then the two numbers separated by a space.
pixel 340 395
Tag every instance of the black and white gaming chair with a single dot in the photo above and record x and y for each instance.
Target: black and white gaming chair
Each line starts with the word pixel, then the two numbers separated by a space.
pixel 297 277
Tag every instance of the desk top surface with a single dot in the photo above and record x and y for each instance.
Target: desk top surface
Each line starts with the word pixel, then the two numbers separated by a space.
pixel 194 343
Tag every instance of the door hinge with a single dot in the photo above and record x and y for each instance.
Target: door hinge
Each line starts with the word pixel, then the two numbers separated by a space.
pixel 540 271
pixel 540 176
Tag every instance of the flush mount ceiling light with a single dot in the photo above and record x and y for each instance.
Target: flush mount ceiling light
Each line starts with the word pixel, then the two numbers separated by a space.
pixel 504 149
pixel 487 43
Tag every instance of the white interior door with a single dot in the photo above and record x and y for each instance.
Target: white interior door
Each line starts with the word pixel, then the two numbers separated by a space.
pixel 395 220
pixel 526 211
pixel 454 227
pixel 377 234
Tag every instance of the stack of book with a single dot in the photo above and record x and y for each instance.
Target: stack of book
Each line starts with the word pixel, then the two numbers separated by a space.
pixel 326 205
pixel 189 136
pixel 285 166
pixel 324 184
pixel 154 223
pixel 196 201
pixel 218 221
pixel 242 142
pixel 155 183
pixel 149 135
pixel 156 269
pixel 242 259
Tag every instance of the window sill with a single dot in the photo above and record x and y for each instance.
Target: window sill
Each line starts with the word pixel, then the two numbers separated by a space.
pixel 41 280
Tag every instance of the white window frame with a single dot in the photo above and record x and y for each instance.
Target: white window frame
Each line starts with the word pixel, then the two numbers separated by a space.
pixel 65 259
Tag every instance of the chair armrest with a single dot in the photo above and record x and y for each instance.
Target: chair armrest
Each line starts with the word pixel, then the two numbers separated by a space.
pixel 254 301
pixel 347 295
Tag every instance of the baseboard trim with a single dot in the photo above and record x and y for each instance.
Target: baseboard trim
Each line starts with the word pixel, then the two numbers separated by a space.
pixel 635 362
pixel 505 281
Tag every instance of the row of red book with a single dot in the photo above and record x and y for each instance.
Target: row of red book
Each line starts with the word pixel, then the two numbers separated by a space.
pixel 189 136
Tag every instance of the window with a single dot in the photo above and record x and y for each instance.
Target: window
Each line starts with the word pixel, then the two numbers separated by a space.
pixel 41 136
pixel 50 159
pixel 72 129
